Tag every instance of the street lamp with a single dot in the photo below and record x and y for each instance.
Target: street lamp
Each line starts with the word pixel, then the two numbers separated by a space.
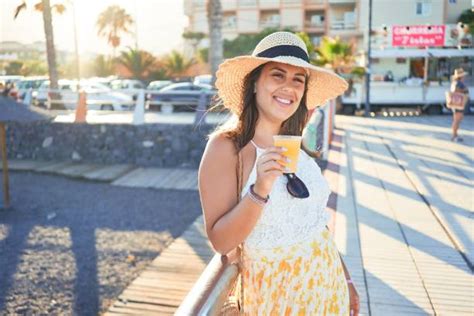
pixel 76 47
pixel 368 70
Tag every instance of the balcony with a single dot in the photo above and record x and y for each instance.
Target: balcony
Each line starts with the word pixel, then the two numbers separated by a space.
pixel 247 3
pixel 314 2
pixel 291 2
pixel 344 21
pixel 269 4
pixel 269 24
pixel 342 25
pixel 315 22
pixel 342 1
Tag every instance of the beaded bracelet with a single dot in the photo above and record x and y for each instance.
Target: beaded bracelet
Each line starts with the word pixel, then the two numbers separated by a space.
pixel 258 197
pixel 255 199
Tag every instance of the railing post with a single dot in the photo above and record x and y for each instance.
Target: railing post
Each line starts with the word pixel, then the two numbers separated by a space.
pixel 139 112
pixel 327 128
pixel 28 97
pixel 201 109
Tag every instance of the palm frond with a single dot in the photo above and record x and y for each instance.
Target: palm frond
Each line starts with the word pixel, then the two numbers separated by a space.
pixel 19 8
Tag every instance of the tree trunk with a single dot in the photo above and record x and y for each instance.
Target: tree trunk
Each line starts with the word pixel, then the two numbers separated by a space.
pixel 216 47
pixel 50 50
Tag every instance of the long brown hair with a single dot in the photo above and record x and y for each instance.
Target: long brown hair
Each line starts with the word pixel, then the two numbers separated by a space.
pixel 242 130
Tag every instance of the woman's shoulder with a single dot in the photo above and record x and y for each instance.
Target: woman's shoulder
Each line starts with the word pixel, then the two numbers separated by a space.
pixel 221 143
pixel 219 149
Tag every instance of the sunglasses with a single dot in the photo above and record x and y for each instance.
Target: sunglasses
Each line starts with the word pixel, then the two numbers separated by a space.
pixel 296 186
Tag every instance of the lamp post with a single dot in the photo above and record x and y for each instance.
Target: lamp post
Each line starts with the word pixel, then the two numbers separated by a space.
pixel 368 67
pixel 76 46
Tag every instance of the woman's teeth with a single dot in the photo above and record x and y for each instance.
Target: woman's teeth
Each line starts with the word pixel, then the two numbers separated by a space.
pixel 284 101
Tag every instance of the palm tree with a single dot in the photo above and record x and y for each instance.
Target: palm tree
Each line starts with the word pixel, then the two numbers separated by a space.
pixel 137 62
pixel 103 66
pixel 339 56
pixel 176 64
pixel 45 7
pixel 111 23
pixel 216 46
pixel 336 54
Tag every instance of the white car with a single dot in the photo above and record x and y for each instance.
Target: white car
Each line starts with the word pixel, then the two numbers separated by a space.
pixel 99 96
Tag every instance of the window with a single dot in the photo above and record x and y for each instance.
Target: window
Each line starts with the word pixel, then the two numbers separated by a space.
pixel 423 7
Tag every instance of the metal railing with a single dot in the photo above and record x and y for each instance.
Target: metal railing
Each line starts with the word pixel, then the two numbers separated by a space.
pixel 142 100
pixel 212 288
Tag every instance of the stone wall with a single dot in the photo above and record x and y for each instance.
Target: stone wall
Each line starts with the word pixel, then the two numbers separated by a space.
pixel 159 145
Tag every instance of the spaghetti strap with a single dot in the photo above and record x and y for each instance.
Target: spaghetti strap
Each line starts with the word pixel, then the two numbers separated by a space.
pixel 255 145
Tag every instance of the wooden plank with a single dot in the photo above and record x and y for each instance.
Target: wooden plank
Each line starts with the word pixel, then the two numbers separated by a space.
pixel 132 178
pixel 55 167
pixel 162 178
pixel 108 173
pixel 25 165
pixel 77 170
pixel 173 179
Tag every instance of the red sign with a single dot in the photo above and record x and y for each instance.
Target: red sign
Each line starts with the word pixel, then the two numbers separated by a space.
pixel 418 35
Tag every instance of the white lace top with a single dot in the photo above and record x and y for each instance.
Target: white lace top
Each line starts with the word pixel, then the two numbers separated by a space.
pixel 287 220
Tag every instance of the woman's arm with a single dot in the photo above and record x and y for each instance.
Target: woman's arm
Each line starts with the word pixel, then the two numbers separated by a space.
pixel 228 222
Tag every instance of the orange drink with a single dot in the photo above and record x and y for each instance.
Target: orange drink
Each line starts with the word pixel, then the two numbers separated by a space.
pixel 292 145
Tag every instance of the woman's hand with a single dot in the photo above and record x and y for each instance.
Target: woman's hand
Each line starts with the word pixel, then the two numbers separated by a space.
pixel 354 300
pixel 268 169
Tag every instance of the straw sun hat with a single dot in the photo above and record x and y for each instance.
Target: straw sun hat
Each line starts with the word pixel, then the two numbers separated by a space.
pixel 282 47
pixel 458 73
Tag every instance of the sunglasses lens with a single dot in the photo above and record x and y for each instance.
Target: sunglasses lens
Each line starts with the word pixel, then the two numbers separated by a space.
pixel 296 187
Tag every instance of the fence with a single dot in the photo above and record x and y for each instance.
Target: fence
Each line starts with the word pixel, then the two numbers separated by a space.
pixel 138 100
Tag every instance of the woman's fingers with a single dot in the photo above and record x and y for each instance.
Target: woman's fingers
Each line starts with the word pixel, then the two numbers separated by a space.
pixel 272 166
pixel 273 156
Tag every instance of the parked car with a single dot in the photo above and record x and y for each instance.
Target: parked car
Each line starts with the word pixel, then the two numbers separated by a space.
pixel 180 96
pixel 127 86
pixel 99 96
pixel 28 83
pixel 203 79
pixel 158 84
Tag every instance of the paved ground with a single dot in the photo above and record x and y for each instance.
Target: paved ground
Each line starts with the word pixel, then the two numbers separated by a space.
pixel 71 247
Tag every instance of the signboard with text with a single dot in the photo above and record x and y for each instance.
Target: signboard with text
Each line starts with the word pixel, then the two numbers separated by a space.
pixel 418 35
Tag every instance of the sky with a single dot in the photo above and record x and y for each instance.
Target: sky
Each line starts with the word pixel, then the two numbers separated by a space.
pixel 159 28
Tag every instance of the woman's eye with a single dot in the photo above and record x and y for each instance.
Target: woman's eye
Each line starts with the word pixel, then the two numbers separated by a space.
pixel 299 80
pixel 278 75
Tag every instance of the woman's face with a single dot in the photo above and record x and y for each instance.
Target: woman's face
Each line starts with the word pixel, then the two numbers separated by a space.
pixel 279 90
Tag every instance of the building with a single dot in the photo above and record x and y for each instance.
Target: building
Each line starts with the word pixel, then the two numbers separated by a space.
pixel 347 19
pixel 11 51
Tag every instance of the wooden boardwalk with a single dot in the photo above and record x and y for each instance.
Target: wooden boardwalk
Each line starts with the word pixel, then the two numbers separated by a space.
pixel 120 175
pixel 406 236
pixel 162 286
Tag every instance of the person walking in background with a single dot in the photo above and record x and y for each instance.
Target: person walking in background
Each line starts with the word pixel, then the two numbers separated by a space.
pixel 289 262
pixel 457 85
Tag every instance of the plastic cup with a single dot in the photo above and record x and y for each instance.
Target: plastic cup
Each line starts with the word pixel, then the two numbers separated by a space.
pixel 292 145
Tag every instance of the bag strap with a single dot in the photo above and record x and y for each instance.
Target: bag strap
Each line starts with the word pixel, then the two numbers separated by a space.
pixel 240 176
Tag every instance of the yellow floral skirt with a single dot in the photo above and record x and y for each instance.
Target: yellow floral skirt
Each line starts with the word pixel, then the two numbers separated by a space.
pixel 304 279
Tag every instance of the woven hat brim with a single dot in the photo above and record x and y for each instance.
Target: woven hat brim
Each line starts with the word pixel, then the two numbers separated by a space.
pixel 323 84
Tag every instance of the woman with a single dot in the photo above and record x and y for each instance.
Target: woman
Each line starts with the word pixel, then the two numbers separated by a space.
pixel 290 262
pixel 457 85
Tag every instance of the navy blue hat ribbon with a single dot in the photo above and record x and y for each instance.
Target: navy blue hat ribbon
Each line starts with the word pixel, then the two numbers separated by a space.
pixel 284 50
